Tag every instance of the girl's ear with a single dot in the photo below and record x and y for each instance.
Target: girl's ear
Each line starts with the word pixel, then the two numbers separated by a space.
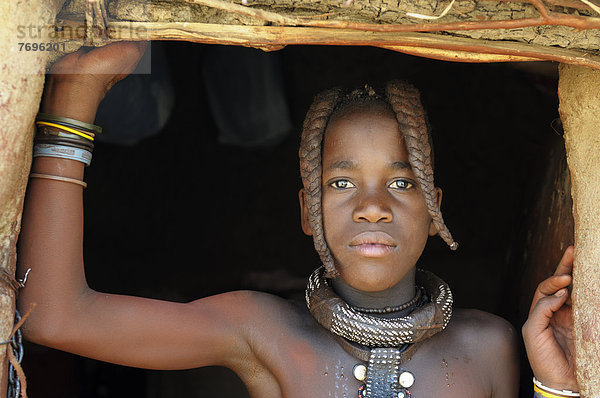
pixel 432 228
pixel 304 214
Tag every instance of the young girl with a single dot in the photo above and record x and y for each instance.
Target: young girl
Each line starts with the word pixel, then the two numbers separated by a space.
pixel 375 326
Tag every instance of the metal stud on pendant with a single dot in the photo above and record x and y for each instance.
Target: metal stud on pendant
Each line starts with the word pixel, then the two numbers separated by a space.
pixel 406 379
pixel 359 371
pixel 404 394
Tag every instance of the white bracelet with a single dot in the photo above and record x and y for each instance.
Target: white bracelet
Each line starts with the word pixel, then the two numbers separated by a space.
pixel 61 151
pixel 561 393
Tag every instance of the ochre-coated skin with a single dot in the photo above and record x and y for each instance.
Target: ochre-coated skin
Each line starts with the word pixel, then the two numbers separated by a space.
pixel 403 101
pixel 369 188
pixel 274 345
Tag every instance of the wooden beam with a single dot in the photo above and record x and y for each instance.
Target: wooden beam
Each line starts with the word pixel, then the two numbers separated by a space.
pixel 545 18
pixel 276 37
pixel 552 23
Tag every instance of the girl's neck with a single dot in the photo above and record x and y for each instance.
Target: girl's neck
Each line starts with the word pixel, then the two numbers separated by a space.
pixel 398 294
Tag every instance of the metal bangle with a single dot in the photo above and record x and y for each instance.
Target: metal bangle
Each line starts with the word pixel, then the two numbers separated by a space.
pixel 86 135
pixel 48 132
pixel 46 117
pixel 71 142
pixel 58 178
pixel 65 152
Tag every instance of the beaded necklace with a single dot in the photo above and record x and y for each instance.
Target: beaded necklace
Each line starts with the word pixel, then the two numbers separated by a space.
pixel 384 344
pixel 409 305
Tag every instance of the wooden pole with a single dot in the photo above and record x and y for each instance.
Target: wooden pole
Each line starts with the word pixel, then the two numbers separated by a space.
pixel 579 109
pixel 21 83
pixel 276 37
pixel 547 23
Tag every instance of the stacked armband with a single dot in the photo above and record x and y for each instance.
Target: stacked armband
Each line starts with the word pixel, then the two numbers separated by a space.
pixel 541 391
pixel 62 137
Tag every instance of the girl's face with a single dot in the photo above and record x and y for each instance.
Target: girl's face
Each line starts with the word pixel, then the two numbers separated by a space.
pixel 374 214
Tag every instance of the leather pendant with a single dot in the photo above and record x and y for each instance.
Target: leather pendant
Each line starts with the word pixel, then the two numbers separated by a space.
pixel 383 375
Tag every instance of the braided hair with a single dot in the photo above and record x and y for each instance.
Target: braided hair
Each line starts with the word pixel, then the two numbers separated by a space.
pixel 404 100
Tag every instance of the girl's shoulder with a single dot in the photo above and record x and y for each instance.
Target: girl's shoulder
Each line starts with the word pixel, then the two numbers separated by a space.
pixel 474 356
pixel 475 334
pixel 264 312
pixel 488 344
pixel 469 324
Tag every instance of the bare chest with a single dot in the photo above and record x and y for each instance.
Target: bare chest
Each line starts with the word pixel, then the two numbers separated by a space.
pixel 319 367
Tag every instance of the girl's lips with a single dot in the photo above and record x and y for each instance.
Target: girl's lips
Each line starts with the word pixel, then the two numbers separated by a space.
pixel 373 237
pixel 372 249
pixel 372 244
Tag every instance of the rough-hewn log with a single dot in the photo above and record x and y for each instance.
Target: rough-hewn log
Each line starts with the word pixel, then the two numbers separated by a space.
pixel 458 30
pixel 21 82
pixel 384 14
pixel 580 112
pixel 275 37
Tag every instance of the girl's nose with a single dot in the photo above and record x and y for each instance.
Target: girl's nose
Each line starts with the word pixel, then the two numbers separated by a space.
pixel 372 208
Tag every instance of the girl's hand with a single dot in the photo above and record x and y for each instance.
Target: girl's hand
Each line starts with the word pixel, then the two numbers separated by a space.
pixel 548 332
pixel 78 81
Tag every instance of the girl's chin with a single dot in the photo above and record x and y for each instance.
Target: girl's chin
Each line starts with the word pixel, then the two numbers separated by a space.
pixel 370 285
pixel 372 278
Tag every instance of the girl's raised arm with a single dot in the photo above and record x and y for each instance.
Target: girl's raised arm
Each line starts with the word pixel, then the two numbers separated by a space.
pixel 69 315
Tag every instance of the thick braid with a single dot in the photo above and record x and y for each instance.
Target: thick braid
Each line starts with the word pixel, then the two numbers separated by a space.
pixel 311 141
pixel 406 103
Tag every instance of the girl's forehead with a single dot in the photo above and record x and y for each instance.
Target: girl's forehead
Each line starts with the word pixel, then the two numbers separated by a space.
pixel 375 107
pixel 361 133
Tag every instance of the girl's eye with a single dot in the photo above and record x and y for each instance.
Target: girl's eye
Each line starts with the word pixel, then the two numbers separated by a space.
pixel 401 185
pixel 342 184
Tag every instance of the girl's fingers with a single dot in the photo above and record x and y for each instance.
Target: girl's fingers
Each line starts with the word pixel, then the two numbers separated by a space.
pixel 553 284
pixel 565 266
pixel 549 287
pixel 544 309
pixel 561 278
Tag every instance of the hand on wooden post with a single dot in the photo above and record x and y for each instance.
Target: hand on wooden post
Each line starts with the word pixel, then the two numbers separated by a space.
pixel 107 64
pixel 548 332
pixel 78 81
